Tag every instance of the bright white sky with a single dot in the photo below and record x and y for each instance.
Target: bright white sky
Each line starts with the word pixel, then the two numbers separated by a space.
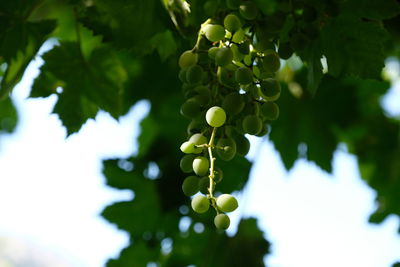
pixel 52 190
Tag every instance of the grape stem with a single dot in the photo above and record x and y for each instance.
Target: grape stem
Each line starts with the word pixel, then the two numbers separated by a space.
pixel 212 172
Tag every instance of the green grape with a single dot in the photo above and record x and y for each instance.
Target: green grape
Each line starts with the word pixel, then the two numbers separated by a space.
pixel 238 36
pixel 223 56
pixel 212 51
pixel 233 4
pixel 270 89
pixel 200 165
pixel 203 100
pixel 264 130
pixel 187 59
pixel 214 33
pixel 232 23
pixel 233 103
pixel 242 145
pixel 200 204
pixel 204 184
pixel 215 116
pixel 228 150
pixel 252 124
pixel 244 75
pixel 271 62
pixel 182 75
pixel 186 163
pixel 264 44
pixel 237 56
pixel 187 147
pixel 285 51
pixel 198 139
pixel 222 221
pixel 190 185
pixel 248 10
pixel 210 7
pixel 219 175
pixel 227 203
pixel 270 110
pixel 196 125
pixel 190 109
pixel 194 74
pixel 226 76
pixel 299 41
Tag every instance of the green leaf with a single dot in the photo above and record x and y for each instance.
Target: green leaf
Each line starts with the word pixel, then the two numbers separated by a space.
pixel 8 116
pixel 165 44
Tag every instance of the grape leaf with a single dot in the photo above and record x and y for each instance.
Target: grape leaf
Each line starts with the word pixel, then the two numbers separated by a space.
pixel 8 116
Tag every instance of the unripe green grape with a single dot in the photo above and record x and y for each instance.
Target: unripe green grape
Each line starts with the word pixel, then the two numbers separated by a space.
pixel 219 175
pixel 248 10
pixel 264 130
pixel 200 204
pixel 215 116
pixel 204 184
pixel 285 51
pixel 198 139
pixel 271 62
pixel 227 203
pixel 270 89
pixel 270 110
pixel 226 76
pixel 222 221
pixel 233 4
pixel 242 145
pixel 223 56
pixel 229 148
pixel 244 75
pixel 187 59
pixel 188 147
pixel 252 124
pixel 182 75
pixel 263 44
pixel 194 74
pixel 233 103
pixel 200 165
pixel 210 7
pixel 203 100
pixel 186 163
pixel 197 124
pixel 190 109
pixel 238 36
pixel 232 23
pixel 212 52
pixel 214 33
pixel 237 56
pixel 190 185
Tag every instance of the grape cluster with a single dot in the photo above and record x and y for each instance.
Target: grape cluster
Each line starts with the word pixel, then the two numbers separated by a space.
pixel 230 89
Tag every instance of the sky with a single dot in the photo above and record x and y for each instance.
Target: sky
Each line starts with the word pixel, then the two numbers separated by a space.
pixel 52 191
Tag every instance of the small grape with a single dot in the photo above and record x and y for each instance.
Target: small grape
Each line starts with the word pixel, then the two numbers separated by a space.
pixel 214 33
pixel 238 36
pixel 200 204
pixel 186 163
pixel 226 76
pixel 182 75
pixel 228 150
pixel 242 145
pixel 264 130
pixel 285 51
pixel 187 147
pixel 190 109
pixel 187 59
pixel 270 89
pixel 248 10
pixel 190 185
pixel 232 23
pixel 215 116
pixel 237 56
pixel 212 51
pixel 196 125
pixel 194 74
pixel 204 184
pixel 271 62
pixel 233 103
pixel 252 124
pixel 270 110
pixel 222 221
pixel 219 175
pixel 244 75
pixel 227 203
pixel 200 165
pixel 223 56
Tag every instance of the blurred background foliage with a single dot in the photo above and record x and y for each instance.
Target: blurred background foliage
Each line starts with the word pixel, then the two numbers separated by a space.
pixel 108 55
